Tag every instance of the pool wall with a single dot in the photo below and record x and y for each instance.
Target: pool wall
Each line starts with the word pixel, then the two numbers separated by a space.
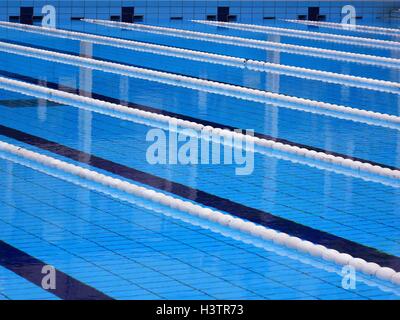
pixel 164 10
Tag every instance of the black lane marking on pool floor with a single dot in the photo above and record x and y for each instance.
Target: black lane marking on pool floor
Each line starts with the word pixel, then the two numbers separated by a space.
pixel 30 268
pixel 236 209
pixel 128 104
pixel 25 103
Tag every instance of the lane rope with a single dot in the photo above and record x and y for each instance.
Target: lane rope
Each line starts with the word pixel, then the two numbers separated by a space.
pixel 125 113
pixel 209 86
pixel 302 34
pixel 257 44
pixel 331 255
pixel 256 65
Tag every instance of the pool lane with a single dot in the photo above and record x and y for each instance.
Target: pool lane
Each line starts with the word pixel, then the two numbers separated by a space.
pixel 260 217
pixel 273 187
pixel 135 251
pixel 52 85
pixel 241 52
pixel 212 34
pixel 249 53
pixel 378 101
pixel 326 133
pixel 315 90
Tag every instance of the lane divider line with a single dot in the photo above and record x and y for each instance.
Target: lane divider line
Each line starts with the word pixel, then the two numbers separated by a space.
pixel 272 152
pixel 209 86
pixel 370 268
pixel 255 65
pixel 130 104
pixel 269 152
pixel 30 268
pixel 357 28
pixel 302 34
pixel 256 44
pixel 206 199
pixel 125 113
pixel 200 222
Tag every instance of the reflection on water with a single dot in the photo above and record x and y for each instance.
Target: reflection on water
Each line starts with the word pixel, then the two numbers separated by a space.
pixel 85 89
pixel 42 103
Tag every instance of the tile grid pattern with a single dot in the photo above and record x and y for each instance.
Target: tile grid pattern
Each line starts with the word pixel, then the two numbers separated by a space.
pixel 143 242
pixel 41 218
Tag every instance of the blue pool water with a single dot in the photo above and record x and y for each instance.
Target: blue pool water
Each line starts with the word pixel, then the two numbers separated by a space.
pixel 125 247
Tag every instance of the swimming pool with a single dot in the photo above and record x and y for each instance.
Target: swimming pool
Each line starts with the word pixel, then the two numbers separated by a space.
pixel 323 168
